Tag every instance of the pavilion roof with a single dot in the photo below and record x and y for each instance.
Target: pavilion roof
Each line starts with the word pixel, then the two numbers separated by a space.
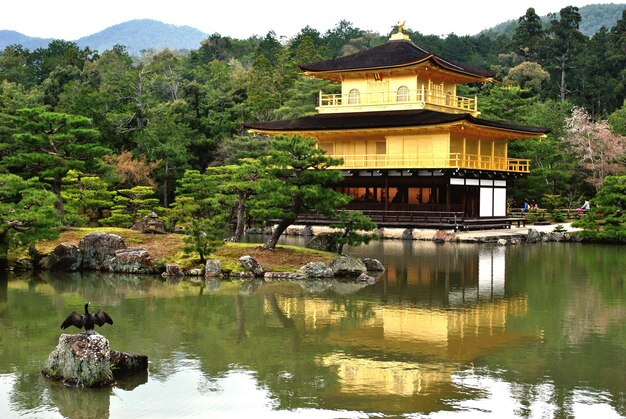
pixel 392 54
pixel 384 119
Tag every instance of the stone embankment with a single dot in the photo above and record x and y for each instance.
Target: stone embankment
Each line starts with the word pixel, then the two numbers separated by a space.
pixel 514 235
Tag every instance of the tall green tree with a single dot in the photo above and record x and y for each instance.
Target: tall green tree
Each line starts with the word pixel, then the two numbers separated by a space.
pixel 529 35
pixel 27 214
pixel 165 140
pixel 47 145
pixel 16 66
pixel 263 94
pixel 339 36
pixel 297 180
pixel 237 182
pixel 200 212
pixel 616 58
pixel 565 43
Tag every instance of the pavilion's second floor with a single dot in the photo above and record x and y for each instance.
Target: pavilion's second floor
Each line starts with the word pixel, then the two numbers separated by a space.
pixel 409 139
pixel 422 151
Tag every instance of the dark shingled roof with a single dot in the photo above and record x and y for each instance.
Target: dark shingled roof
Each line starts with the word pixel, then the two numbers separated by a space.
pixel 382 119
pixel 391 54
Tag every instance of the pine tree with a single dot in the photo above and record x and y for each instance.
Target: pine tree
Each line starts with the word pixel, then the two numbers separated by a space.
pixel 296 181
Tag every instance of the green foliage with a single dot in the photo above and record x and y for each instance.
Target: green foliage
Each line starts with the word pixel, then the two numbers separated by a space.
pixel 354 229
pixel 606 220
pixel 27 214
pixel 233 149
pixel 617 120
pixel 529 35
pixel 549 201
pixel 297 180
pixel 131 205
pixel 200 212
pixel 528 75
pixel 47 145
pixel 204 236
pixel 85 198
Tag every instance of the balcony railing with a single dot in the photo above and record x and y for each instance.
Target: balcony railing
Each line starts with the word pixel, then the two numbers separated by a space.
pixel 437 161
pixel 411 99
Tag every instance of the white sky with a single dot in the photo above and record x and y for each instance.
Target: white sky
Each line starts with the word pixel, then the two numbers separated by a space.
pixel 73 19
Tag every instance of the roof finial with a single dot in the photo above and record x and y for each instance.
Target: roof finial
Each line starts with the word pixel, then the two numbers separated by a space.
pixel 400 34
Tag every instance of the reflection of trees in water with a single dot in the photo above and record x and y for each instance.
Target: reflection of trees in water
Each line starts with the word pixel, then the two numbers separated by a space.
pixel 587 313
pixel 4 286
pixel 355 310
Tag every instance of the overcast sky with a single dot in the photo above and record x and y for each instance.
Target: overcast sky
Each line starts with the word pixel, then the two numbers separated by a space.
pixel 73 19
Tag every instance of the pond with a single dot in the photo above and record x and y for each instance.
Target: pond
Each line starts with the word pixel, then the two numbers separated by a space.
pixel 453 330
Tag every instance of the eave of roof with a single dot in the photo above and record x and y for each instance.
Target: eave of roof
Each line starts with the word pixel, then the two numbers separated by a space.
pixel 384 119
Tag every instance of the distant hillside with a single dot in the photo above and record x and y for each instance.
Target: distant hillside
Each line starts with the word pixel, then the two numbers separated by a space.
pixel 16 38
pixel 143 34
pixel 136 35
pixel 593 17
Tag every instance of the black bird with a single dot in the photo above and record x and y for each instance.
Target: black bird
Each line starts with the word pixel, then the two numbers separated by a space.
pixel 87 320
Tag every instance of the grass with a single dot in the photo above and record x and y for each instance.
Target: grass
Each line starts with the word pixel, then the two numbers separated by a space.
pixel 281 259
pixel 168 248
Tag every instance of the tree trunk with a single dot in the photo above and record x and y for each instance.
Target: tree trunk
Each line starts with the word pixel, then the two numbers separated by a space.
pixel 4 254
pixel 241 219
pixel 167 169
pixel 280 229
pixel 563 88
pixel 56 189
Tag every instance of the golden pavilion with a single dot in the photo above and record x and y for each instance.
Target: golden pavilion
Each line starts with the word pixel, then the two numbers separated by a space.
pixel 414 152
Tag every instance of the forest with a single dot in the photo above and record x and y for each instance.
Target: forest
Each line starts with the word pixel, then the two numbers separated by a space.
pixel 103 137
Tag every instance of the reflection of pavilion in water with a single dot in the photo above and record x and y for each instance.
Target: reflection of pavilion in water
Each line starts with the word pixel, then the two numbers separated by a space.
pixel 406 348
pixel 448 276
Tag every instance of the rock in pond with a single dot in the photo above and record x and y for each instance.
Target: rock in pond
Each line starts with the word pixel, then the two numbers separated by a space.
pixel 373 265
pixel 316 270
pixel 326 242
pixel 173 270
pixel 132 261
pixel 213 268
pixel 85 360
pixel 64 257
pixel 98 248
pixel 250 264
pixel 345 266
pixel 80 360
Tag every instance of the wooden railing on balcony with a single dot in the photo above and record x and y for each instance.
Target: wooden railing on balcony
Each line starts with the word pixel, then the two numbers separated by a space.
pixel 413 99
pixel 438 161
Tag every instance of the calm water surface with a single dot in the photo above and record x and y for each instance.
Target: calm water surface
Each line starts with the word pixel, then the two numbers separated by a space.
pixel 450 330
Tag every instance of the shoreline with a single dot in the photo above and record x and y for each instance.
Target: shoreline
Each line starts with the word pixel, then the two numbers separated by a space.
pixel 535 232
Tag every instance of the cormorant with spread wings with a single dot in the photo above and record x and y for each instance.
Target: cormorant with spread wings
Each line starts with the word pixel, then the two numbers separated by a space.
pixel 87 320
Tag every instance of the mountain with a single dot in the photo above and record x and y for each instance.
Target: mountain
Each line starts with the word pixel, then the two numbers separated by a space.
pixel 144 34
pixel 136 35
pixel 593 17
pixel 16 38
